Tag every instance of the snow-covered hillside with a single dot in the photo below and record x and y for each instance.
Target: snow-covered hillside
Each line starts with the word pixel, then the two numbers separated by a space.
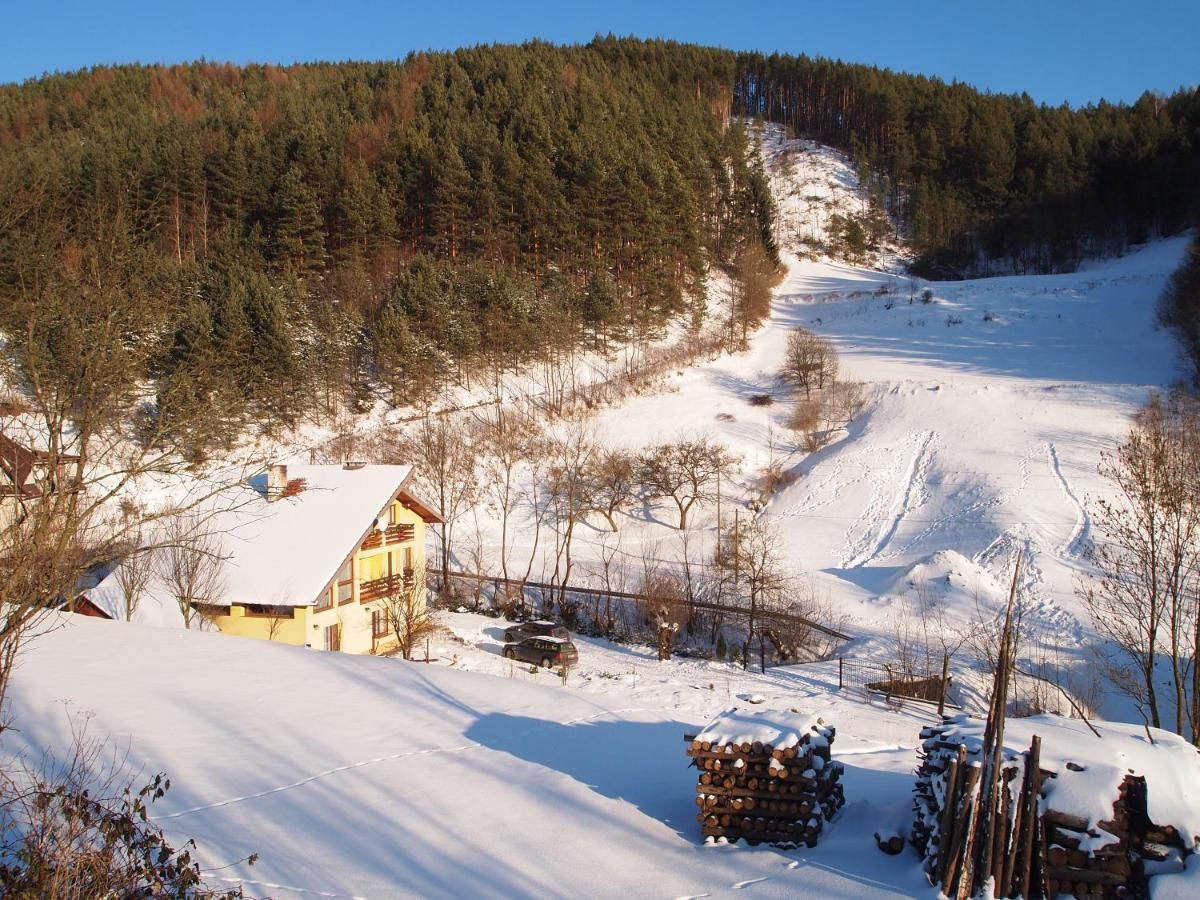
pixel 371 777
pixel 988 404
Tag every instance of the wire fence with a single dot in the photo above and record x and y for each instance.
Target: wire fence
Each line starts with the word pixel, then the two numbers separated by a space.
pixel 892 680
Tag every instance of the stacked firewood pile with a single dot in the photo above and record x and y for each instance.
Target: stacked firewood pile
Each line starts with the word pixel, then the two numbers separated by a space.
pixel 945 803
pixel 766 776
pixel 993 818
pixel 1040 850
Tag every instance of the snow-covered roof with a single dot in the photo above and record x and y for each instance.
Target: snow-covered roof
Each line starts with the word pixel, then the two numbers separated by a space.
pixel 1170 765
pixel 286 552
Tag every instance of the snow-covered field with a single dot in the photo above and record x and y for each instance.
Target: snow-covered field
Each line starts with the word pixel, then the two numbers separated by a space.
pixel 372 777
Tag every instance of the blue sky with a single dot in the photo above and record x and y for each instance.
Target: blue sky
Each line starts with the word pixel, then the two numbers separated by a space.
pixel 1056 50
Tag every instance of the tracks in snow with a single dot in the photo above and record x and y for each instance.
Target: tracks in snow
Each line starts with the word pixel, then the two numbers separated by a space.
pixel 882 519
pixel 1080 535
pixel 463 748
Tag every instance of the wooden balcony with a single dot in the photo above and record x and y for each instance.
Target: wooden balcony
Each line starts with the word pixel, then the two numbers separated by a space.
pixel 386 586
pixel 395 534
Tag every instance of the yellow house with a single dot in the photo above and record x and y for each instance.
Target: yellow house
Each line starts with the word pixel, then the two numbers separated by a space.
pixel 310 554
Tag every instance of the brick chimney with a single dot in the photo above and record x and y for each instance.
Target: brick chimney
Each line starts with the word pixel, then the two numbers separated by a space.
pixel 277 480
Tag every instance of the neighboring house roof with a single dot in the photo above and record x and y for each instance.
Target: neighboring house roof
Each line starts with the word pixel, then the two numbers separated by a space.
pixel 82 606
pixel 19 466
pixel 287 551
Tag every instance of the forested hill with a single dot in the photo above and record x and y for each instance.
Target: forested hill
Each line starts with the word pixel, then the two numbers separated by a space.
pixel 275 235
pixel 988 182
pixel 278 238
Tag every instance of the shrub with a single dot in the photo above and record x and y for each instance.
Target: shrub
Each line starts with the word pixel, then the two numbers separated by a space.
pixel 68 837
pixel 806 416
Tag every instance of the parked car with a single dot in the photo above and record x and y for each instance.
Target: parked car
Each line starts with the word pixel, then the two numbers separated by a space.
pixel 545 651
pixel 539 628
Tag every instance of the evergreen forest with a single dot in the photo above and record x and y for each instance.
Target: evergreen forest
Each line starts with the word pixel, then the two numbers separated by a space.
pixel 272 242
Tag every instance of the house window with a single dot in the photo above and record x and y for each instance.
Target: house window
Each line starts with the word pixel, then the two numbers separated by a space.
pixel 394 514
pixel 345 584
pixel 408 560
pixel 333 637
pixel 273 612
pixel 325 601
pixel 379 623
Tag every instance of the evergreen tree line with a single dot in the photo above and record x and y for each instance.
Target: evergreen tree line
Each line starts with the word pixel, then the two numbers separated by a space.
pixel 274 241
pixel 986 183
pixel 284 238
pixel 1179 309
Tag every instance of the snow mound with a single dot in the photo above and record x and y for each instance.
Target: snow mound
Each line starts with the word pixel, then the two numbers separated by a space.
pixel 948 575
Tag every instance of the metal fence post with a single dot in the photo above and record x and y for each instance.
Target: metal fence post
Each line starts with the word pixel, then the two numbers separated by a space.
pixel 945 683
pixel 841 664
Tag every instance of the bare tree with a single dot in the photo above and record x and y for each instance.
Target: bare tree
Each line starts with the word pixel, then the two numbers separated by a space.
pixel 445 456
pixel 666 607
pixel 686 471
pixel 613 479
pixel 133 576
pixel 794 638
pixel 751 560
pixel 614 580
pixel 91 430
pixel 1144 598
pixel 810 361
pixel 508 440
pixel 408 614
pixel 572 457
pixel 842 402
pixel 191 566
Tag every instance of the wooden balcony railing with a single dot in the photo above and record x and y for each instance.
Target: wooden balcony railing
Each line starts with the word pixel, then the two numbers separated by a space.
pixel 395 534
pixel 386 586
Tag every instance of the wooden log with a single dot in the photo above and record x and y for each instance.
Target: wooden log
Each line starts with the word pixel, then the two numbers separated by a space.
pixel 1023 885
pixel 1164 834
pixel 1084 876
pixel 1010 860
pixel 946 826
pixel 1118 865
pixel 720 790
pixel 1061 836
pixel 961 822
pixel 1069 821
pixel 891 845
pixel 1001 836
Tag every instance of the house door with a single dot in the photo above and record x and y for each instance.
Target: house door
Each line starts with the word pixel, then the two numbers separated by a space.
pixel 333 637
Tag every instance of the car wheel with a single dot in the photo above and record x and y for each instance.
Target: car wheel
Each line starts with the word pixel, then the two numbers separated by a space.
pixel 508 654
pixel 545 662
